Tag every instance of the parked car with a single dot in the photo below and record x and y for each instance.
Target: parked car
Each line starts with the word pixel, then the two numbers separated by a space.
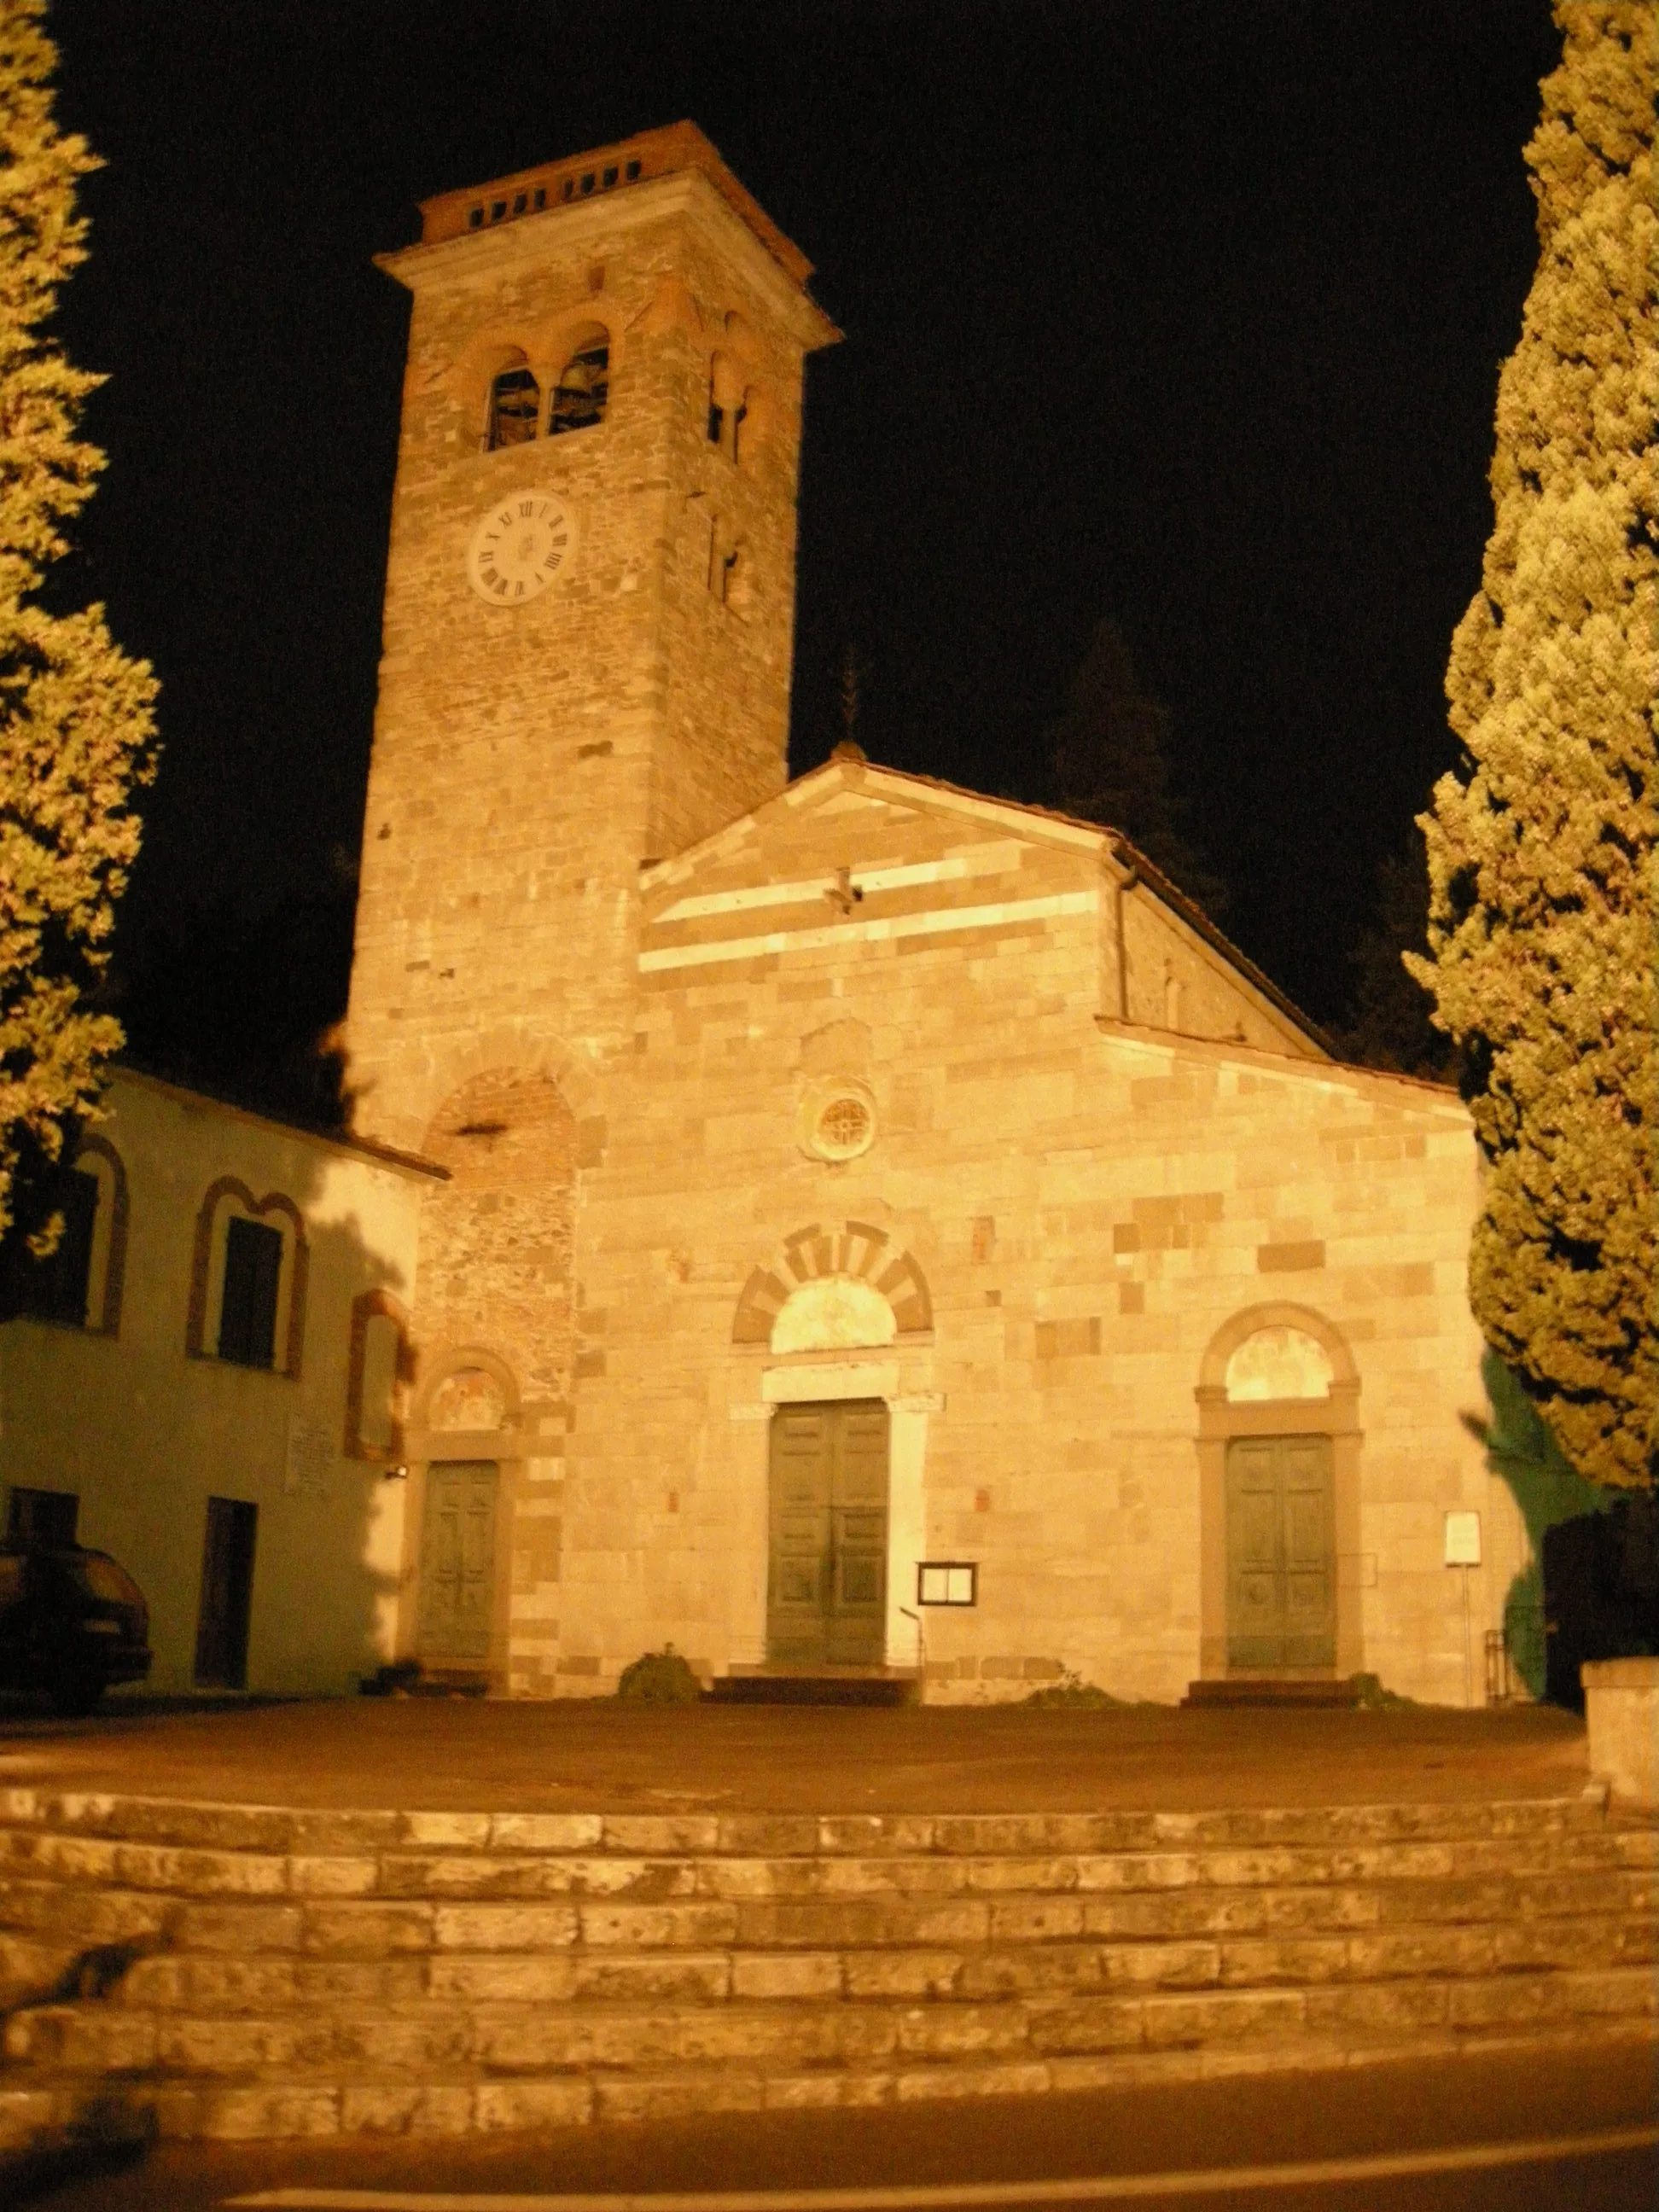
pixel 71 1622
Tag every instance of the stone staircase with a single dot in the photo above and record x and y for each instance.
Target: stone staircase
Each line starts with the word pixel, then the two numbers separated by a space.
pixel 226 1971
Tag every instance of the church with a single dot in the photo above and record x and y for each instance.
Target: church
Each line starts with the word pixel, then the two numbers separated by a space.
pixel 852 1229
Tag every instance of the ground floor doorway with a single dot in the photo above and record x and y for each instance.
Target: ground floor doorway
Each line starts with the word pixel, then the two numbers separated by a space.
pixel 827 1584
pixel 226 1601
pixel 457 1562
pixel 1281 1554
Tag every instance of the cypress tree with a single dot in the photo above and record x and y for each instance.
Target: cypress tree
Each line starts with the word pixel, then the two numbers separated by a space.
pixel 1109 760
pixel 75 725
pixel 1542 850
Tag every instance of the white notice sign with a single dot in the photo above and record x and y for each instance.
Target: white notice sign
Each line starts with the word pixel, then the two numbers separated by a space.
pixel 1462 1540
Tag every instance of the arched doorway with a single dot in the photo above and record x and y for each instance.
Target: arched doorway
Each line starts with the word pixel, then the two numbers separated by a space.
pixel 1279 1465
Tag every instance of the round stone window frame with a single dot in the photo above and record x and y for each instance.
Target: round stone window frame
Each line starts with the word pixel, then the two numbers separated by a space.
pixel 841 1094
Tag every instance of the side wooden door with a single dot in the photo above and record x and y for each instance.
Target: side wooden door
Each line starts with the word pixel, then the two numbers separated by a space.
pixel 1281 1564
pixel 458 1560
pixel 225 1607
pixel 827 1570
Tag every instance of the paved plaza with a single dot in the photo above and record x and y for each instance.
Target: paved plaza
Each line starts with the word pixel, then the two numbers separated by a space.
pixel 598 1755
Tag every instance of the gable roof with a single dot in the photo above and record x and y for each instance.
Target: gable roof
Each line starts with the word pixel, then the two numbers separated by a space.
pixel 848 775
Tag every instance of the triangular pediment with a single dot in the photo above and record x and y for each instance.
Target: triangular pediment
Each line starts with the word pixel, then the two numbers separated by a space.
pixel 852 852
pixel 855 854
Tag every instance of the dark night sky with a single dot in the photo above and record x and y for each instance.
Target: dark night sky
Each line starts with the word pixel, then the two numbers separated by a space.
pixel 1191 312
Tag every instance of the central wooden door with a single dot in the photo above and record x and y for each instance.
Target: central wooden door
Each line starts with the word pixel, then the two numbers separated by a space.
pixel 458 1560
pixel 1281 1561
pixel 827 1588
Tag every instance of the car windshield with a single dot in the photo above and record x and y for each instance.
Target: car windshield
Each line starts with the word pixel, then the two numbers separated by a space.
pixel 103 1578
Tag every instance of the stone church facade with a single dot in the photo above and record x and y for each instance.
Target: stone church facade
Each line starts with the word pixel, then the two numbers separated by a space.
pixel 846 1227
pixel 887 1228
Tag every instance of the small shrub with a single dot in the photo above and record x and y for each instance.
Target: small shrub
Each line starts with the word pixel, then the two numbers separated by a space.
pixel 1370 1696
pixel 658 1678
pixel 1071 1692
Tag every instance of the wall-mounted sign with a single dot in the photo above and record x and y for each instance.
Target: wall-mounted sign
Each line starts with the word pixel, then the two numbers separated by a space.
pixel 1462 1540
pixel 947 1582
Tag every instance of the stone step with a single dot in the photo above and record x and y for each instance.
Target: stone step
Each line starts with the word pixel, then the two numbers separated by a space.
pixel 90 1919
pixel 284 1832
pixel 816 1686
pixel 197 1982
pixel 417 2042
pixel 249 1969
pixel 362 2102
pixel 104 1861
pixel 1231 1691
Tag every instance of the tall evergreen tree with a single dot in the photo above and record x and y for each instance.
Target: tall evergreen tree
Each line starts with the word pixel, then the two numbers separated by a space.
pixel 1392 1026
pixel 1109 761
pixel 75 725
pixel 1541 851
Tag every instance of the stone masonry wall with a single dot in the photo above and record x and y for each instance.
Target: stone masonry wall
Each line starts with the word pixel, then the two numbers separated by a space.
pixel 1089 1209
pixel 527 759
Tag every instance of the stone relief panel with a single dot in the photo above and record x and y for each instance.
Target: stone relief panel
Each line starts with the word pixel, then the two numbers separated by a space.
pixel 1278 1363
pixel 836 1313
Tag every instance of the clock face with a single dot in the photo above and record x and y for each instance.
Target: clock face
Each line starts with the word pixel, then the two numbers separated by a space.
pixel 519 547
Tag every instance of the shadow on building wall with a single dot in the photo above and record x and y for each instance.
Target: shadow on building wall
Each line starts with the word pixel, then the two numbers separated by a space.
pixel 226 1409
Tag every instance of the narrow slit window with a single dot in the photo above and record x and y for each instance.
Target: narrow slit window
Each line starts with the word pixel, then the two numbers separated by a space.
pixel 583 388
pixel 515 406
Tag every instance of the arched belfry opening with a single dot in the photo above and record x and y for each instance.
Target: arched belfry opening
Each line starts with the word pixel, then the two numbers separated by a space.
pixel 583 390
pixel 515 406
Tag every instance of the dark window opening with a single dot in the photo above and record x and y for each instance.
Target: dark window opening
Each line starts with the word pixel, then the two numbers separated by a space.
pixel 221 1623
pixel 515 406
pixel 569 187
pixel 520 201
pixel 247 1310
pixel 56 1287
pixel 474 217
pixel 541 196
pixel 587 184
pixel 716 424
pixel 583 388
pixel 633 171
pixel 739 415
pixel 610 179
pixel 497 209
pixel 41 1519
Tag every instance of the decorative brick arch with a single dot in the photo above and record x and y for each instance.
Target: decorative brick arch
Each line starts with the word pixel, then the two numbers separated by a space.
pixel 511 1055
pixel 202 1259
pixel 108 1321
pixel 857 1248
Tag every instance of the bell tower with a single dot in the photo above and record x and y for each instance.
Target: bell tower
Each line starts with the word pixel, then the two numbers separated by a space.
pixel 589 600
